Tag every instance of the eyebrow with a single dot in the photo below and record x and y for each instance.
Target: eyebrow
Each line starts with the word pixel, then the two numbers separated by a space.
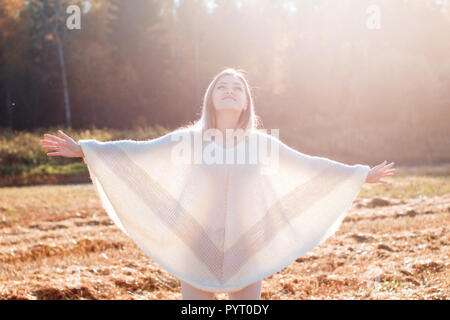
pixel 233 83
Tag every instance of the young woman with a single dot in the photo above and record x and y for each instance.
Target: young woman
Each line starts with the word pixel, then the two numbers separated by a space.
pixel 220 228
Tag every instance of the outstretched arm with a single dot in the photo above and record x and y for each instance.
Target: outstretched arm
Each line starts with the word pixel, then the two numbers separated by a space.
pixel 380 171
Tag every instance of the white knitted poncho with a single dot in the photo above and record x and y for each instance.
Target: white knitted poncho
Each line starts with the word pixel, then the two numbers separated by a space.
pixel 221 225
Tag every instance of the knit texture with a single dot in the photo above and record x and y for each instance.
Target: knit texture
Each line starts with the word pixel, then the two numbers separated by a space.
pixel 221 226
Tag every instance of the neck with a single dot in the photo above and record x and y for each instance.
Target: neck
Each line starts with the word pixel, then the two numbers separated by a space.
pixel 226 120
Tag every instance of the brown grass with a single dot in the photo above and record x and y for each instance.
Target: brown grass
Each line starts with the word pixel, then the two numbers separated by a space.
pixel 56 242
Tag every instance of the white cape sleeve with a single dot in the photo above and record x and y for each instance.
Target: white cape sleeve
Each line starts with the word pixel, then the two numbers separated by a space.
pixel 155 201
pixel 287 212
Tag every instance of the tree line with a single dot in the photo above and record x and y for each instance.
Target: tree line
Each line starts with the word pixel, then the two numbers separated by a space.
pixel 146 62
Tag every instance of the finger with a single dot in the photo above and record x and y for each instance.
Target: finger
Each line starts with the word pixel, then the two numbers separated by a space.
pixel 390 165
pixel 49 142
pixel 51 137
pixel 390 170
pixel 385 169
pixel 380 165
pixel 50 147
pixel 64 135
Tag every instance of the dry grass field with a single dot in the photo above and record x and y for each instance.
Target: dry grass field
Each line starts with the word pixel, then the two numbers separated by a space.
pixel 56 242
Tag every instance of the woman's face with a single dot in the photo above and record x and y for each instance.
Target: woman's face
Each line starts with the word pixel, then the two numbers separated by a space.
pixel 229 94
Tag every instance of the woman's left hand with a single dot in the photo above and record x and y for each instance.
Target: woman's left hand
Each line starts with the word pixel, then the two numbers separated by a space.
pixel 380 171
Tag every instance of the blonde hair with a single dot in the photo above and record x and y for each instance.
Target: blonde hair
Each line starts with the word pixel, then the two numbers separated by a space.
pixel 248 120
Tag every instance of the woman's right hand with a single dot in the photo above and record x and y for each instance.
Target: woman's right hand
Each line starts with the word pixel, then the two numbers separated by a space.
pixel 65 146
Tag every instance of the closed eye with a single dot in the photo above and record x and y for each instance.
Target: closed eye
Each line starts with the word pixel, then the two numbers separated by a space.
pixel 222 86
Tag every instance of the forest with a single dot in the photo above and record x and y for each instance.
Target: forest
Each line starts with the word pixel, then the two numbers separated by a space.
pixel 313 65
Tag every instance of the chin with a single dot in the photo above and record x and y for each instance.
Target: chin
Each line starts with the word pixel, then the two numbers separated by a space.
pixel 229 108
